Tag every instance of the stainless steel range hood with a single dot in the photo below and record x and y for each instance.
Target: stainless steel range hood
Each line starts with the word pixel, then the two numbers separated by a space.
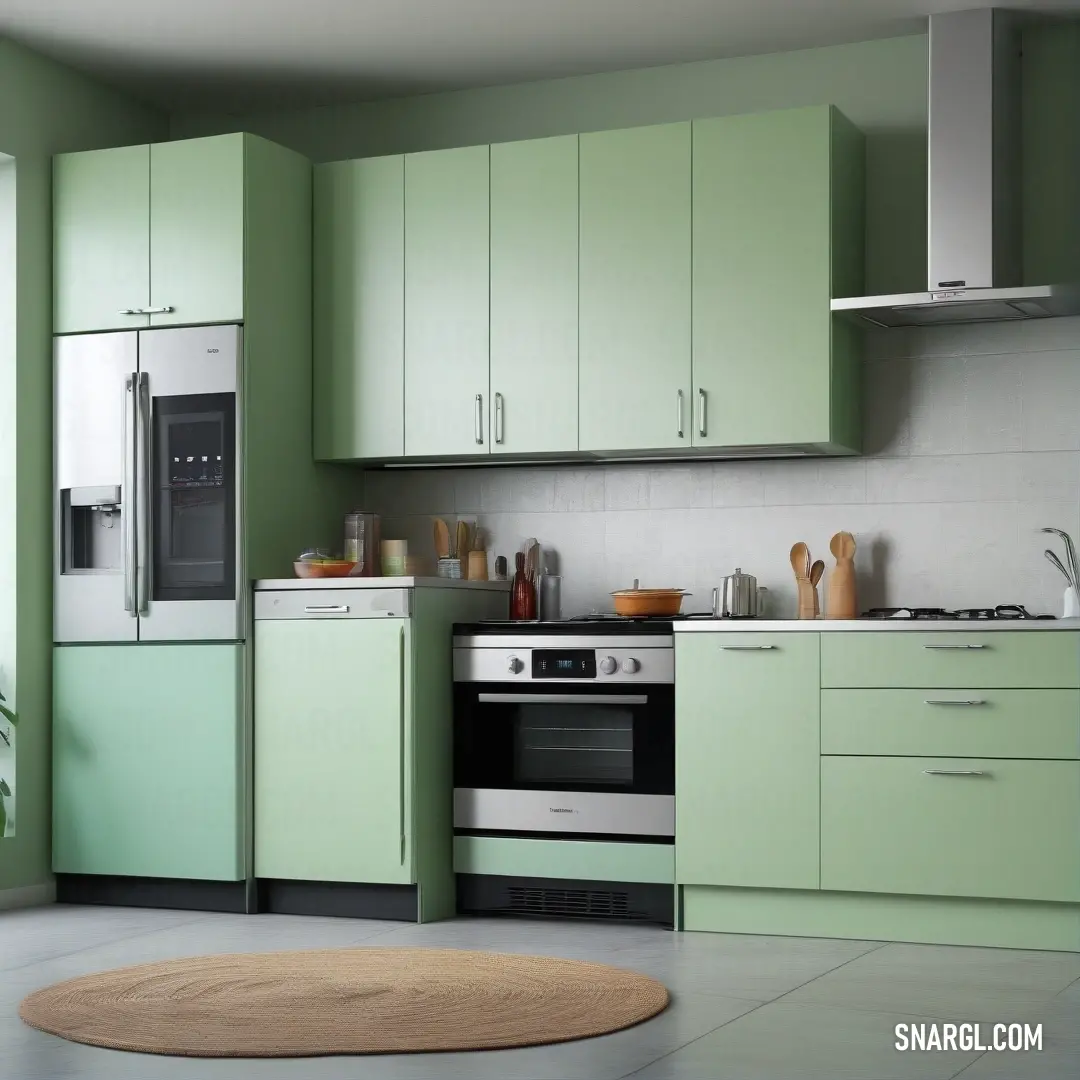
pixel 973 195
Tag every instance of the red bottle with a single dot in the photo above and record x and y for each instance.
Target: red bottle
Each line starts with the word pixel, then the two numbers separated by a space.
pixel 522 592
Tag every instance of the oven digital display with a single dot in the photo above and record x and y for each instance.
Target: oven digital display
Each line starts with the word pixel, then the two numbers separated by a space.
pixel 563 664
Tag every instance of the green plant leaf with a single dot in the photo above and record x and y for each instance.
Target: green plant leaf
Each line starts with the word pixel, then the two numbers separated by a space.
pixel 4 789
pixel 9 716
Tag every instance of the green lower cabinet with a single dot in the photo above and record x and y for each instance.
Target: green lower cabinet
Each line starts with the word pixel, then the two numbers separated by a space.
pixel 951 723
pixel 747 759
pixel 148 761
pixel 577 860
pixel 1022 660
pixel 332 760
pixel 968 827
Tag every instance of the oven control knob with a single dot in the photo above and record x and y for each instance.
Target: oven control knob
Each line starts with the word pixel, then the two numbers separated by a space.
pixel 630 665
pixel 609 665
pixel 515 666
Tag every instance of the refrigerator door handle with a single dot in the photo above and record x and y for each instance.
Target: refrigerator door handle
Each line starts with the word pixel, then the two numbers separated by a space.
pixel 127 493
pixel 143 498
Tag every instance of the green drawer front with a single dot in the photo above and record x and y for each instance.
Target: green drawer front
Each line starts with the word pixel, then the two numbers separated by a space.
pixel 948 723
pixel 583 860
pixel 1011 832
pixel 1027 659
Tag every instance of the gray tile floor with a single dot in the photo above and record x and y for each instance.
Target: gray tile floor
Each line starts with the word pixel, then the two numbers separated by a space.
pixel 744 1008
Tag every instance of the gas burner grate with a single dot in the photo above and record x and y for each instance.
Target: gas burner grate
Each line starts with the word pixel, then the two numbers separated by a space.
pixel 1002 611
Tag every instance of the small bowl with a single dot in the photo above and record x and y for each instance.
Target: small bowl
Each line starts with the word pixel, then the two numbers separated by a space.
pixel 323 568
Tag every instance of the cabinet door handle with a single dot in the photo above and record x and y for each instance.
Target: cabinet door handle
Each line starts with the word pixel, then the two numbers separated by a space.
pixel 954 646
pixel 156 310
pixel 701 412
pixel 949 701
pixel 954 772
pixel 498 418
pixel 479 419
pixel 746 648
pixel 327 609
pixel 679 413
pixel 131 311
pixel 401 741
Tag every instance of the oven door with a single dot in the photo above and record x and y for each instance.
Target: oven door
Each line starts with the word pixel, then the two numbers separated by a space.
pixel 576 760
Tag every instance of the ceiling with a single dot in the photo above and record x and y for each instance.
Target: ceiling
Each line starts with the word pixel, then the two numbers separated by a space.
pixel 240 55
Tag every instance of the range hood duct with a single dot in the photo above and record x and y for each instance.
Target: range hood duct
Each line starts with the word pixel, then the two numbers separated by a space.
pixel 973 193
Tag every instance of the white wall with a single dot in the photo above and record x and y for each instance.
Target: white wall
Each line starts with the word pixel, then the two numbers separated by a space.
pixel 972 443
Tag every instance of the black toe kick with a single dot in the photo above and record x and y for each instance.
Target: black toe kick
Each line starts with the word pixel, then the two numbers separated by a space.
pixel 174 893
pixel 336 898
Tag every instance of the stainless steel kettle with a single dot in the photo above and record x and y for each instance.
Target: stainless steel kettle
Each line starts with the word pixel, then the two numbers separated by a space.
pixel 737 597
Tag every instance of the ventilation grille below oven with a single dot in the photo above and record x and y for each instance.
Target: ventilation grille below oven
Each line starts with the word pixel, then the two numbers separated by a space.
pixel 571 903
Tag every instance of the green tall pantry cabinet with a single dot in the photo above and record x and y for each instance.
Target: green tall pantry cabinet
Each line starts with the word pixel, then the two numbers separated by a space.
pixel 353 744
pixel 151 743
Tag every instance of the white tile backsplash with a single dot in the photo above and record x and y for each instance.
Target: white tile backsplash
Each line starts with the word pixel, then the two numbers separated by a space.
pixel 972 439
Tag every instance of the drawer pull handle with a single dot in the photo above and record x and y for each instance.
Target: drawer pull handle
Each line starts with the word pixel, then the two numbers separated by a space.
pixel 327 609
pixel 954 772
pixel 746 648
pixel 949 701
pixel 954 646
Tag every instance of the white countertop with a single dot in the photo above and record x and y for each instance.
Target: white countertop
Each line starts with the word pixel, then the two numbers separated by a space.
pixel 715 626
pixel 274 584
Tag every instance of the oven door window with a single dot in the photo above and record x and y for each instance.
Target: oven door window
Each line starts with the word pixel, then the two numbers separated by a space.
pixel 582 741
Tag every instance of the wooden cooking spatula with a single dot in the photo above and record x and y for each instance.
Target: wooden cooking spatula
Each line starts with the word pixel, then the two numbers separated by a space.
pixel 815 576
pixel 800 563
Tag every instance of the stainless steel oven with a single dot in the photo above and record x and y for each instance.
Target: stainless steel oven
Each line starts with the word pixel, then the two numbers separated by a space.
pixel 559 731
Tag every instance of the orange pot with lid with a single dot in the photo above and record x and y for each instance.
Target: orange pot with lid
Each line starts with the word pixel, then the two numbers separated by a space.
pixel 641 603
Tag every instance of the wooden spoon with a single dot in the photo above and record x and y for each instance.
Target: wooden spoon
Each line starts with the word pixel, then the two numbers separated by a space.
pixel 800 563
pixel 842 600
pixel 815 576
pixel 442 539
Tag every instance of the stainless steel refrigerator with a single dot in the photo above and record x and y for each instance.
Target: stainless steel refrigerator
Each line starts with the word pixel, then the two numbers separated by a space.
pixel 151 729
pixel 148 486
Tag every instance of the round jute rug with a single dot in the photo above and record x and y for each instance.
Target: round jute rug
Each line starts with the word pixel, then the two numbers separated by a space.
pixel 344 1001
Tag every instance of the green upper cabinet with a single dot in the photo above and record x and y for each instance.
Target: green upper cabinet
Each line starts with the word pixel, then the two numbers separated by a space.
pixel 446 302
pixel 747 761
pixel 101 222
pixel 534 296
pixel 197 231
pixel 331 768
pixel 778 231
pixel 635 260
pixel 359 309
pixel 141 229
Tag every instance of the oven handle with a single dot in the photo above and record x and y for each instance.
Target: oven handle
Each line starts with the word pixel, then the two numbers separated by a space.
pixel 563 699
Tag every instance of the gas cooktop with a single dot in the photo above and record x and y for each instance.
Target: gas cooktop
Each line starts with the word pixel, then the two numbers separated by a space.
pixel 597 623
pixel 1002 611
